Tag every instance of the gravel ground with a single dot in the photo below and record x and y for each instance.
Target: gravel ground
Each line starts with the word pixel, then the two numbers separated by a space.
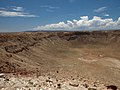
pixel 8 82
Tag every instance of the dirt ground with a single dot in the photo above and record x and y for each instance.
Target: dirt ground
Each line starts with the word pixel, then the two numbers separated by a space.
pixel 92 55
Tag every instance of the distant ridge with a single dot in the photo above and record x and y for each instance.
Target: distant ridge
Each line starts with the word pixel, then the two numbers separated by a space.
pixel 66 30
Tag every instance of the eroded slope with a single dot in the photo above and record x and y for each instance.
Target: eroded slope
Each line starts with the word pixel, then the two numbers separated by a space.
pixel 93 55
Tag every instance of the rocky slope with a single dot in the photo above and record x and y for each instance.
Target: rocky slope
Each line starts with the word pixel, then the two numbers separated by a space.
pixel 94 55
pixel 15 82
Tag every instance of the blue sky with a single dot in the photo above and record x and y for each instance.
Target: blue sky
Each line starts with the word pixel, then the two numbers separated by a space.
pixel 23 15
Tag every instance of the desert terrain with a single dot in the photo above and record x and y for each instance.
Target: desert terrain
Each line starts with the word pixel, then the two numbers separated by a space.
pixel 79 60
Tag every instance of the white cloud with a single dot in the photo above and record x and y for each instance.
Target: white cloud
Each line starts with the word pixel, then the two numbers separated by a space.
pixel 2 8
pixel 84 18
pixel 18 8
pixel 49 7
pixel 101 9
pixel 49 10
pixel 14 12
pixel 107 15
pixel 97 23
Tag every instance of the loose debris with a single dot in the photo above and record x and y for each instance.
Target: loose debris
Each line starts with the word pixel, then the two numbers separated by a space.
pixel 47 83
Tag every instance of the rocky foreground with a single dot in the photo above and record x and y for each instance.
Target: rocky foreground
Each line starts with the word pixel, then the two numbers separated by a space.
pixel 20 82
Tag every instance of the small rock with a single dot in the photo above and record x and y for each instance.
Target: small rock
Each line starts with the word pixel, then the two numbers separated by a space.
pixel 92 89
pixel 57 71
pixel 2 75
pixel 57 80
pixel 9 55
pixel 48 80
pixel 112 87
pixel 59 86
pixel 85 85
pixel 6 79
pixel 74 84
